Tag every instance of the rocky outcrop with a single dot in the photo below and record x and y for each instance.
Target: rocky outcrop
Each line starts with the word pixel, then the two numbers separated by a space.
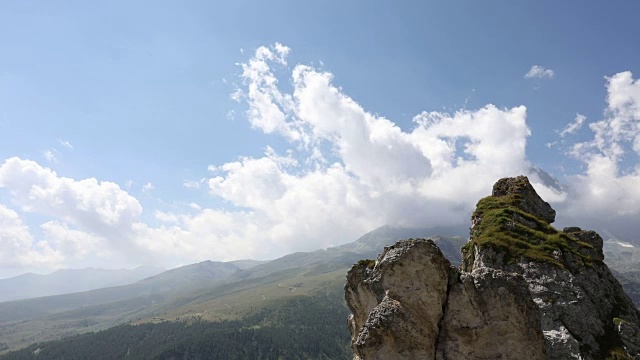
pixel 524 291
pixel 412 304
pixel 527 197
pixel 397 305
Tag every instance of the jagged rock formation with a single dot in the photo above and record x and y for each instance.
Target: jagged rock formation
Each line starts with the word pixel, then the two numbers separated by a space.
pixel 528 200
pixel 524 291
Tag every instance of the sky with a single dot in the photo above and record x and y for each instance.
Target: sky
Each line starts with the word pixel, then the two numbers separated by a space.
pixel 167 133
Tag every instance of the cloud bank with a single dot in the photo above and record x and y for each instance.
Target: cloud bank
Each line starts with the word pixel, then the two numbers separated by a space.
pixel 342 171
pixel 607 195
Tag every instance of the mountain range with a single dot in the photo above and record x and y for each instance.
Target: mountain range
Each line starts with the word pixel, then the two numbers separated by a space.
pixel 210 290
pixel 250 294
pixel 69 281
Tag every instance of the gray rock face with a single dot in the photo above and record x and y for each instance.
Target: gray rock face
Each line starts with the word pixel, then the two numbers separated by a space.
pixel 489 316
pixel 412 304
pixel 579 304
pixel 397 305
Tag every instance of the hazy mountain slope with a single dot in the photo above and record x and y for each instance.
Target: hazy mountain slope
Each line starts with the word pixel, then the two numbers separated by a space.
pixel 246 263
pixel 367 246
pixel 624 260
pixel 619 253
pixel 202 271
pixel 293 275
pixel 387 235
pixel 183 277
pixel 209 290
pixel 70 281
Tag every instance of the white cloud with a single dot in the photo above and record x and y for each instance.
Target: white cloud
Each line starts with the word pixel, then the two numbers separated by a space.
pixel 50 156
pixel 237 97
pixel 98 219
pixel 148 187
pixel 102 208
pixel 231 115
pixel 607 195
pixel 603 198
pixel 17 246
pixel 267 105
pixel 354 170
pixel 210 234
pixel 539 72
pixel 619 132
pixel 66 144
pixel 338 171
pixel 166 217
pixel 573 126
pixel 70 244
pixel 191 184
pixel 346 172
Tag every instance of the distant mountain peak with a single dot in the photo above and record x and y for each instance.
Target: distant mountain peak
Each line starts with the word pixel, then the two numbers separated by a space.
pixel 546 179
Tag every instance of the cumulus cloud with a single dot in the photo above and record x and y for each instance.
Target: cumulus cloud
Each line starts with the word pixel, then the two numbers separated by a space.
pixel 539 72
pixel 17 246
pixel 342 172
pixel 166 217
pixel 92 219
pixel 608 193
pixel 102 208
pixel 336 172
pixel 70 244
pixel 431 174
pixel 355 170
pixel 619 132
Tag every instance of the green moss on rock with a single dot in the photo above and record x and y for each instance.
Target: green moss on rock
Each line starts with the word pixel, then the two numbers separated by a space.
pixel 498 224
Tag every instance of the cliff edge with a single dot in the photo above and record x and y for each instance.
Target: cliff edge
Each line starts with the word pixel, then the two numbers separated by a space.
pixel 524 290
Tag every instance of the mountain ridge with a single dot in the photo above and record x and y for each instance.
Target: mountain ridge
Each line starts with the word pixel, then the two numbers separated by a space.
pixel 239 290
pixel 64 281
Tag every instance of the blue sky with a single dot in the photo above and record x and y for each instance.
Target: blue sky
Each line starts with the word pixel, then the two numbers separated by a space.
pixel 139 98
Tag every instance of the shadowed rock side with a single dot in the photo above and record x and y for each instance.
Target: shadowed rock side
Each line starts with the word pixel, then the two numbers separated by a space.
pixel 524 291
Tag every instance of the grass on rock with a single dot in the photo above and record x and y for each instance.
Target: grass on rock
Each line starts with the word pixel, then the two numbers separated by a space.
pixel 500 230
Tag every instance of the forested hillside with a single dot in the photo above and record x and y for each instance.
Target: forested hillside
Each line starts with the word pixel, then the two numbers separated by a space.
pixel 304 327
